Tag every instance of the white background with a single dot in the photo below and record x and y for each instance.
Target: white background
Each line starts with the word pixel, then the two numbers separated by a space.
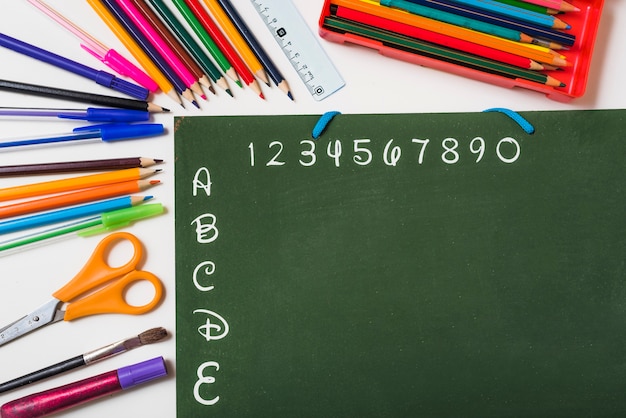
pixel 375 84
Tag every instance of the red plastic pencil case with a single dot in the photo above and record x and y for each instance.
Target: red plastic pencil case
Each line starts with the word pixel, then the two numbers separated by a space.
pixel 584 27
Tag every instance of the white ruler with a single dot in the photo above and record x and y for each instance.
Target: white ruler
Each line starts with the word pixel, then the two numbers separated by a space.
pixel 300 46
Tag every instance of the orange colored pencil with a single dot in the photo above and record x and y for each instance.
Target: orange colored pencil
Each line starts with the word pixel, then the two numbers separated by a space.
pixel 73 183
pixel 74 198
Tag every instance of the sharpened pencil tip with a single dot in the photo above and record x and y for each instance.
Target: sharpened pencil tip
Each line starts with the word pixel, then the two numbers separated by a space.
pixel 230 93
pixel 152 182
pixel 204 97
pixel 211 89
pixel 261 96
pixel 195 103
pixel 290 95
pixel 157 160
pixel 239 83
pixel 165 109
pixel 147 198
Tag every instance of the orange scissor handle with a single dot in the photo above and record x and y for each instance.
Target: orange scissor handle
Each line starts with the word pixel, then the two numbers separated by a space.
pixel 112 298
pixel 97 271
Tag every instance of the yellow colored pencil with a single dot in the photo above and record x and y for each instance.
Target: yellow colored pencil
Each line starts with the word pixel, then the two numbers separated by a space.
pixel 136 51
pixel 236 40
pixel 73 183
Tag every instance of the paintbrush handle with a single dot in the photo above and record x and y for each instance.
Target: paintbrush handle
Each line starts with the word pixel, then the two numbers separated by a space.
pixel 44 373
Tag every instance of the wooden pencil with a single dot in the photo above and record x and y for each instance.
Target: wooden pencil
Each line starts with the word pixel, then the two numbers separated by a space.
pixel 76 166
pixel 75 197
pixel 79 96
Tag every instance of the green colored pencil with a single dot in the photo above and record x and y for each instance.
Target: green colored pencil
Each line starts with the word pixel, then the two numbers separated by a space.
pixel 190 44
pixel 528 6
pixel 206 40
pixel 408 44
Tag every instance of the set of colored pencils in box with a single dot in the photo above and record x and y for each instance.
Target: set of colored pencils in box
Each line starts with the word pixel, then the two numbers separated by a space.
pixel 543 45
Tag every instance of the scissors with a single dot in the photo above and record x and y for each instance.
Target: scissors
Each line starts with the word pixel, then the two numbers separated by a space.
pixel 108 285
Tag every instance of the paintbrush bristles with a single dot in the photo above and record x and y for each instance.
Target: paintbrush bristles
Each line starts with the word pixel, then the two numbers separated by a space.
pixel 147 337
pixel 152 335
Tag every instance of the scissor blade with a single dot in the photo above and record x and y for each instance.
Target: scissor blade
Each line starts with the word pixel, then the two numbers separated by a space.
pixel 44 315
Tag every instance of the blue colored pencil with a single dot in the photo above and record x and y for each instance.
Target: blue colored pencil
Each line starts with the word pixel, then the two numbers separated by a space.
pixel 62 215
pixel 515 12
pixel 551 36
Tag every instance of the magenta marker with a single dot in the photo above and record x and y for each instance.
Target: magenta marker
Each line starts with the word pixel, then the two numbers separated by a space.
pixel 76 393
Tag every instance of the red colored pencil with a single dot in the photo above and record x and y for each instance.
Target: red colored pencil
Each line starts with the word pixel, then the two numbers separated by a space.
pixel 437 38
pixel 220 40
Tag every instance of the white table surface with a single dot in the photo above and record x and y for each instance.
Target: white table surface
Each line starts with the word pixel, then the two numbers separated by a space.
pixel 27 278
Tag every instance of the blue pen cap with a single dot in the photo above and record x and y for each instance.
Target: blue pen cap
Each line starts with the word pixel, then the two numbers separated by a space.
pixel 93 114
pixel 120 131
pixel 143 372
pixel 109 80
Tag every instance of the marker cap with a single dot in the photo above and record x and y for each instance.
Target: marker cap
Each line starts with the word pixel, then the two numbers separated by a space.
pixel 124 67
pixel 123 217
pixel 143 372
pixel 119 131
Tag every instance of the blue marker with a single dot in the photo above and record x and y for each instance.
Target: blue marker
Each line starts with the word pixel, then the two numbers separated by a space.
pixel 91 114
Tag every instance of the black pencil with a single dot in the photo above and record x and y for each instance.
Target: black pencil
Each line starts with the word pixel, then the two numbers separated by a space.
pixel 79 96
pixel 75 166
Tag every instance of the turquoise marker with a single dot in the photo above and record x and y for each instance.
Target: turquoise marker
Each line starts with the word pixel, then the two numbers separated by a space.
pixel 454 19
pixel 75 212
pixel 91 226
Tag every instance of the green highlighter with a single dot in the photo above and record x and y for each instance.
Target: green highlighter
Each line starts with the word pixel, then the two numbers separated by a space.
pixel 104 222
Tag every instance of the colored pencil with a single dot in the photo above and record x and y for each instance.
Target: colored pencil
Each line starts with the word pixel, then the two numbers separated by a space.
pixel 516 12
pixel 528 6
pixel 533 52
pixel 109 56
pixel 454 19
pixel 410 45
pixel 559 5
pixel 436 38
pixel 79 96
pixel 256 47
pixel 76 166
pixel 161 45
pixel 173 43
pixel 122 18
pixel 224 45
pixel 74 198
pixel 98 76
pixel 236 40
pixel 73 183
pixel 190 43
pixel 136 51
pixel 66 214
pixel 538 35
pixel 207 41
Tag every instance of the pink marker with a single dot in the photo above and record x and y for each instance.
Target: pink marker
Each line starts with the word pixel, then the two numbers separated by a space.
pixel 82 391
pixel 159 43
pixel 108 56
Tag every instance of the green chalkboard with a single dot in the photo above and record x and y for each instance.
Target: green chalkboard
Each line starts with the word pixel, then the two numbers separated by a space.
pixel 433 265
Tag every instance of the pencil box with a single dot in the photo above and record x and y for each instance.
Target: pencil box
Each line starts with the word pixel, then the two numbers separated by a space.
pixel 584 27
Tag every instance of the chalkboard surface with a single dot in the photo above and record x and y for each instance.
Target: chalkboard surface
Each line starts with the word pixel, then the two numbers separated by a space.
pixel 401 266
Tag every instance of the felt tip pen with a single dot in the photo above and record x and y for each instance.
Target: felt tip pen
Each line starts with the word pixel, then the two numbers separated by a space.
pixel 106 132
pixel 91 114
pixel 73 394
pixel 98 76
pixel 106 55
pixel 104 222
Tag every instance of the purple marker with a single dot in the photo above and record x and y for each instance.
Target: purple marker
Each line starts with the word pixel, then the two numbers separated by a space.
pixel 76 393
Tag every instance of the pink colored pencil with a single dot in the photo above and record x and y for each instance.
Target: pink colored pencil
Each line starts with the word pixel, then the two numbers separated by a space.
pixel 559 5
pixel 159 43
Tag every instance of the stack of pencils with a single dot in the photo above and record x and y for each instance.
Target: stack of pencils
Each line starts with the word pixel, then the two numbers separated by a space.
pixel 98 196
pixel 532 43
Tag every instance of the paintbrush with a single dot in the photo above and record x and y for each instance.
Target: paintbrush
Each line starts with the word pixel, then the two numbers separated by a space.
pixel 150 336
